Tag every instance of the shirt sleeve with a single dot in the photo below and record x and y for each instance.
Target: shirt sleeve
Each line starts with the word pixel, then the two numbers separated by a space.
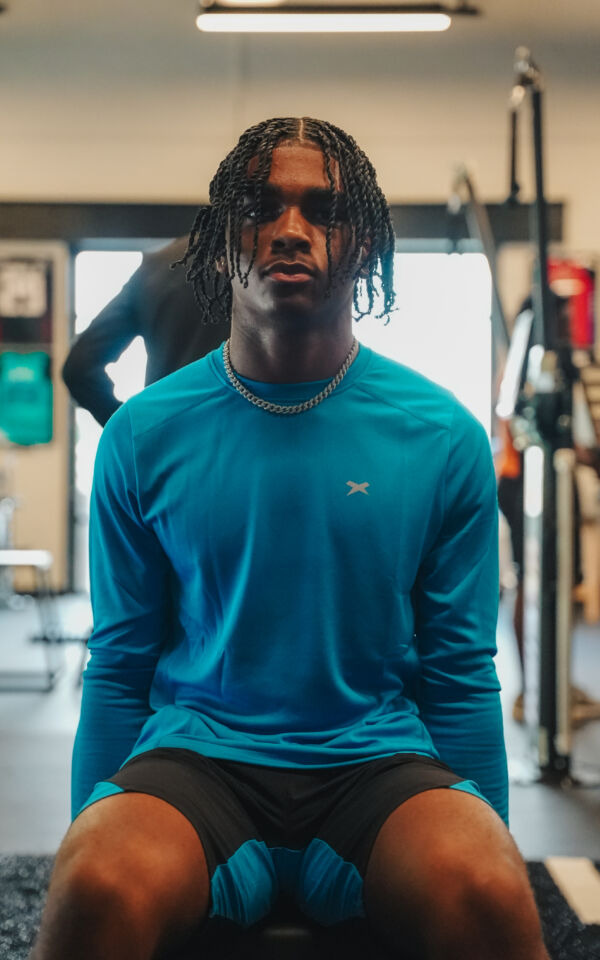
pixel 456 607
pixel 109 333
pixel 129 575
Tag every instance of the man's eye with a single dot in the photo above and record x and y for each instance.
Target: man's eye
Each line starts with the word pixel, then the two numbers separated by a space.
pixel 320 214
pixel 341 213
pixel 251 212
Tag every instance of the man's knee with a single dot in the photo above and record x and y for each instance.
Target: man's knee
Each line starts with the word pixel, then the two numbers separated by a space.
pixel 486 886
pixel 457 900
pixel 93 887
pixel 103 869
pixel 99 907
pixel 90 882
pixel 481 902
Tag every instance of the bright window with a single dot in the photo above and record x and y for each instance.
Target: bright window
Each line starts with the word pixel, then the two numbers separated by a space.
pixel 99 276
pixel 442 324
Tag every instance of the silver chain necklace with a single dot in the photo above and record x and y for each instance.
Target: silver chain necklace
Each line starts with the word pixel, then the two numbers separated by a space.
pixel 282 408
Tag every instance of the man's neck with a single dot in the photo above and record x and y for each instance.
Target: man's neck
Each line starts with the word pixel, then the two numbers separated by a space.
pixel 284 356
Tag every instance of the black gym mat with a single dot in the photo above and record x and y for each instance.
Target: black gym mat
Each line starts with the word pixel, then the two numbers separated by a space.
pixel 23 882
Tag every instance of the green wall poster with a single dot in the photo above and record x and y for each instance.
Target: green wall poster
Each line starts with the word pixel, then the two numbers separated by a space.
pixel 25 397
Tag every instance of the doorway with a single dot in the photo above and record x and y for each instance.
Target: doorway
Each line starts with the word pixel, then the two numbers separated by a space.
pixel 99 275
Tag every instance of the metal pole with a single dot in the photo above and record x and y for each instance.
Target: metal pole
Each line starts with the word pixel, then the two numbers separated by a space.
pixel 515 101
pixel 564 467
pixel 541 288
pixel 548 485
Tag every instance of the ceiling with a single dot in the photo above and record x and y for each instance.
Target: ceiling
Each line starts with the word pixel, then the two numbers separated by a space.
pixel 126 44
pixel 104 87
pixel 564 21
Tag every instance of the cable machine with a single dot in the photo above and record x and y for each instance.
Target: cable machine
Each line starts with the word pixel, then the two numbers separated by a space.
pixel 535 398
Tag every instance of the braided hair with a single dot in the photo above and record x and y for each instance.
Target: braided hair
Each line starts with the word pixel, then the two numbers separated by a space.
pixel 367 212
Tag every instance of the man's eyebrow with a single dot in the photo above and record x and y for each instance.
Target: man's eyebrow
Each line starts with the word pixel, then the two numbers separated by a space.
pixel 323 193
pixel 267 190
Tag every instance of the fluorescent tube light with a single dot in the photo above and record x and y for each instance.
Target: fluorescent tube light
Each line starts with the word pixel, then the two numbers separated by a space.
pixel 319 23
pixel 296 18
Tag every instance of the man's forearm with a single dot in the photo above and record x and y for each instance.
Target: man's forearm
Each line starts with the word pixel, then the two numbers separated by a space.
pixel 92 389
pixel 469 737
pixel 113 712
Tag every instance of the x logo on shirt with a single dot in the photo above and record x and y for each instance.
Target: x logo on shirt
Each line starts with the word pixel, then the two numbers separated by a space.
pixel 357 487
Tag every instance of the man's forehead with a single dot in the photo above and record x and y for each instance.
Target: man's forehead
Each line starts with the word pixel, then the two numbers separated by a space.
pixel 300 163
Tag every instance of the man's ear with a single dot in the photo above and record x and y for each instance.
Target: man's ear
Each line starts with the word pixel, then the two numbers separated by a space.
pixel 221 265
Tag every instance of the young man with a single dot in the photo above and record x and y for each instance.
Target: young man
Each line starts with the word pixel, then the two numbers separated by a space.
pixel 294 580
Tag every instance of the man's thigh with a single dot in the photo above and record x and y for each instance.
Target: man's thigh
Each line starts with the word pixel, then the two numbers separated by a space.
pixel 130 856
pixel 330 885
pixel 240 876
pixel 445 859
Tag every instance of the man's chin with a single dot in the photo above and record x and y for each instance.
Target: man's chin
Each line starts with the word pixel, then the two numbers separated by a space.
pixel 294 306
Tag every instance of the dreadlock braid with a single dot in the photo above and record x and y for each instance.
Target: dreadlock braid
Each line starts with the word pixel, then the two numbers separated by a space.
pixel 367 211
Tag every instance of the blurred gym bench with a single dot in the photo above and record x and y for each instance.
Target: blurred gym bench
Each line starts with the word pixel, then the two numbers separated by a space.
pixel 17 681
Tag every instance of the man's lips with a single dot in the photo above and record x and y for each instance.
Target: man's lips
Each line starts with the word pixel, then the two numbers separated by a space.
pixel 285 271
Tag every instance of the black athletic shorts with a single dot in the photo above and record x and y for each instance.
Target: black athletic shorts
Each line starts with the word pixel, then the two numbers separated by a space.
pixel 266 831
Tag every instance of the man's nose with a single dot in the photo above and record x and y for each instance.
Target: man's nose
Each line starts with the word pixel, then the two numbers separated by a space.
pixel 291 231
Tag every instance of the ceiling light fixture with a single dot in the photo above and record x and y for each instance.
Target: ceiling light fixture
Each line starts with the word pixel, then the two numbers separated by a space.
pixel 272 16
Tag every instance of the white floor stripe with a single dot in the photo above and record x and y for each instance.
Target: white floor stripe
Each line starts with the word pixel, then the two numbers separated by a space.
pixel 579 883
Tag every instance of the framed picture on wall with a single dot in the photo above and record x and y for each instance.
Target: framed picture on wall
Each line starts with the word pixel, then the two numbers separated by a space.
pixel 25 300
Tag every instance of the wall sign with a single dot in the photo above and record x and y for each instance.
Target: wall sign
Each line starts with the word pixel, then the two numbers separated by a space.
pixel 25 300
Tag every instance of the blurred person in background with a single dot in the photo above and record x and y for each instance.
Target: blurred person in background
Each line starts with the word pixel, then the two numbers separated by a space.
pixel 156 304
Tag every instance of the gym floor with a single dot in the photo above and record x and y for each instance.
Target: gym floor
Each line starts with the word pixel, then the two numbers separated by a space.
pixel 37 729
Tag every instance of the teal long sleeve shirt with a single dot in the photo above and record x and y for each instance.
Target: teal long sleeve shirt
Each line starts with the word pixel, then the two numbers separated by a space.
pixel 301 591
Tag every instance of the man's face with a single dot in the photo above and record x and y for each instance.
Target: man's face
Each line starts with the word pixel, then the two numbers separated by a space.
pixel 289 277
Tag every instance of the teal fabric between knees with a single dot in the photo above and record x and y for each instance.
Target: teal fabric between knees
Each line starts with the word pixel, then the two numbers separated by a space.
pixel 287 867
pixel 245 887
pixel 330 888
pixel 327 888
